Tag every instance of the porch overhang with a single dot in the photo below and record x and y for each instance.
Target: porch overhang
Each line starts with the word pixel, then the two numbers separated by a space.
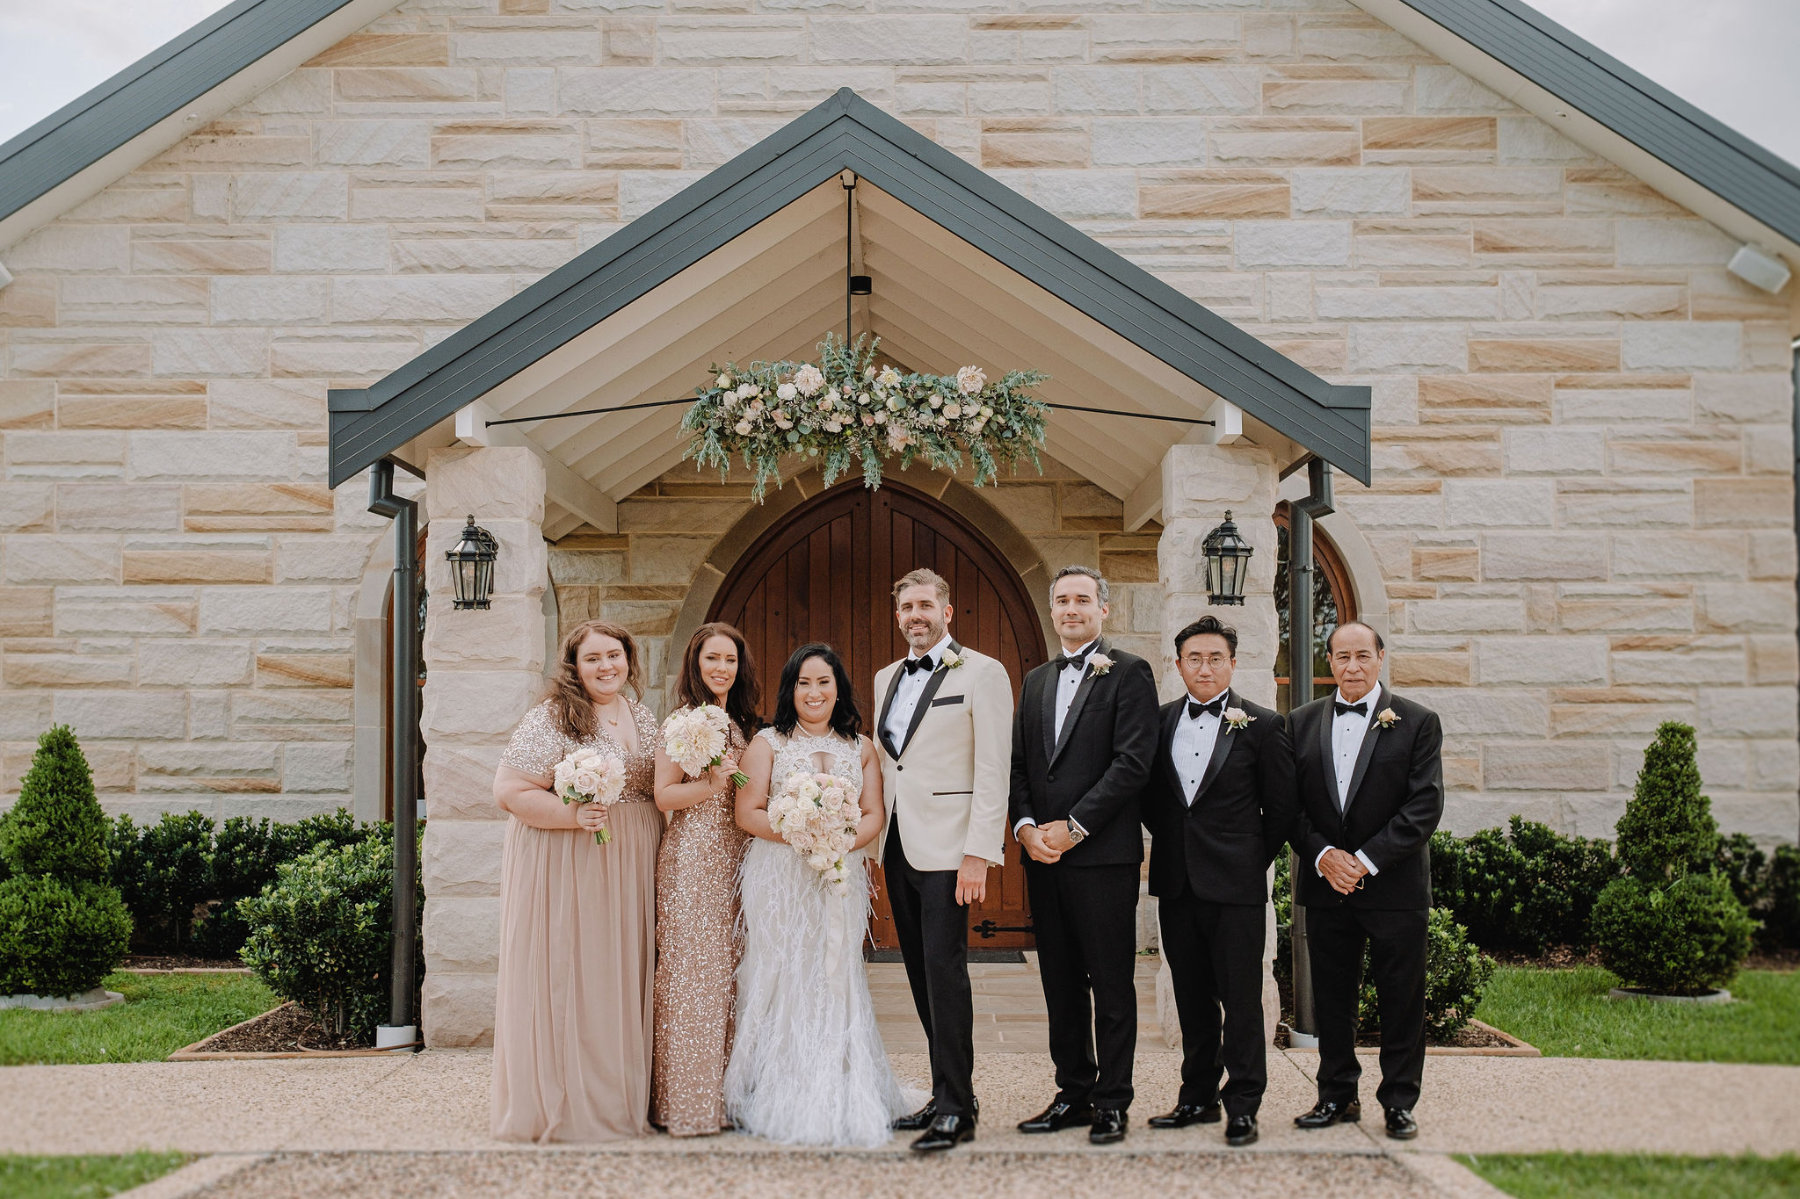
pixel 748 263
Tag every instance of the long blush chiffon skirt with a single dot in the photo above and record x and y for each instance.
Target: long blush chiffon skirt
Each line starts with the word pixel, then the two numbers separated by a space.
pixel 573 1008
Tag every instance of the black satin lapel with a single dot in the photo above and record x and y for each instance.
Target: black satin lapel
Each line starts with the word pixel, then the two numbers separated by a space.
pixel 886 703
pixel 1166 749
pixel 1363 755
pixel 1221 747
pixel 1075 705
pixel 931 688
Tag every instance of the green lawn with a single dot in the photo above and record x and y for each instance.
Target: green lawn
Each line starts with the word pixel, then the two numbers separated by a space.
pixel 1637 1176
pixel 1566 1013
pixel 81 1177
pixel 161 1013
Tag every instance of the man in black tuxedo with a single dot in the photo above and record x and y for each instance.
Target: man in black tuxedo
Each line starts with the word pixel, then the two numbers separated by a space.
pixel 1367 763
pixel 1220 806
pixel 1084 735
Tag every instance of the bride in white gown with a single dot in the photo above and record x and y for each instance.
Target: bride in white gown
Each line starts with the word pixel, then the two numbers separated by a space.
pixel 807 1066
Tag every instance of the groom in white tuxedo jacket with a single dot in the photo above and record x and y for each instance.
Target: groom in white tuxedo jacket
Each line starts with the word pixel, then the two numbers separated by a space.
pixel 945 732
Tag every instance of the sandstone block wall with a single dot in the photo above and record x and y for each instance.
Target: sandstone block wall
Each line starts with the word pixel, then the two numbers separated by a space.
pixel 1582 511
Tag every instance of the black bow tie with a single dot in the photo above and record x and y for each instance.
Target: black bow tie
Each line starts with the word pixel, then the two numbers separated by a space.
pixel 1195 708
pixel 1076 660
pixel 925 664
pixel 1360 707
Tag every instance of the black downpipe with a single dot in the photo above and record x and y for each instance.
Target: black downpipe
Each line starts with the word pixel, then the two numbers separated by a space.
pixel 1301 514
pixel 403 735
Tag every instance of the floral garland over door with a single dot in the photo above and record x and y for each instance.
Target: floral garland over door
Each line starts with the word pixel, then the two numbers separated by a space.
pixel 846 410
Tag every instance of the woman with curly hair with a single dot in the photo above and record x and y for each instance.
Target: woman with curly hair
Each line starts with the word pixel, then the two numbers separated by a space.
pixel 572 1013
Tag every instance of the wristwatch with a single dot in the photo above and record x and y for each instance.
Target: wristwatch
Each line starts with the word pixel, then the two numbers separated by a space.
pixel 1076 833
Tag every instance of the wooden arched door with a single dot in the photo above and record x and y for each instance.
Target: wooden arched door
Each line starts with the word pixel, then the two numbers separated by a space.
pixel 826 572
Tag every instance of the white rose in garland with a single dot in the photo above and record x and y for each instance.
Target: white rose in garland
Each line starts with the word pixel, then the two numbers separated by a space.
pixel 940 418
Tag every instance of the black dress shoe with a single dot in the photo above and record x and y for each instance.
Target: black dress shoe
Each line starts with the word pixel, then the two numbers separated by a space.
pixel 1241 1131
pixel 1327 1112
pixel 1186 1114
pixel 946 1132
pixel 1058 1116
pixel 920 1120
pixel 1108 1127
pixel 1400 1124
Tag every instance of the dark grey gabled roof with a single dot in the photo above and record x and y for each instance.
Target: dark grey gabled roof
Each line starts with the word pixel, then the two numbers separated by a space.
pixel 155 87
pixel 1723 161
pixel 847 132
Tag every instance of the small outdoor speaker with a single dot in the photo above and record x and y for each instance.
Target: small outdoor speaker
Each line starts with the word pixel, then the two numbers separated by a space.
pixel 1759 269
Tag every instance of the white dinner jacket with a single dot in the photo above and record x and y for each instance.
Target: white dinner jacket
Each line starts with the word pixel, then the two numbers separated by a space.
pixel 950 779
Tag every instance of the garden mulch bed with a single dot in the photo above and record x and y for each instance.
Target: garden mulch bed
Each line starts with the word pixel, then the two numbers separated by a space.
pixel 180 963
pixel 1473 1039
pixel 287 1031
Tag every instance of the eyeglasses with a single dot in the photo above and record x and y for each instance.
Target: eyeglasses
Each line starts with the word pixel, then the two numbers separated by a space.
pixel 1213 660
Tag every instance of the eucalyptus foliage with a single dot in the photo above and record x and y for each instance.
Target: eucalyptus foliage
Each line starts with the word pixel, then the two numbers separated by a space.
pixel 847 411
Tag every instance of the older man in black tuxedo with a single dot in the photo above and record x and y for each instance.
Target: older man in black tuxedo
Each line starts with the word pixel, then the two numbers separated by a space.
pixel 1220 807
pixel 1084 734
pixel 1367 763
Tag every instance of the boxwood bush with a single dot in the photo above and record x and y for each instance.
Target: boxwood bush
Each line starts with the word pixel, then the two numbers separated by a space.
pixel 320 935
pixel 63 927
pixel 1685 938
pixel 1526 889
pixel 182 879
pixel 1672 924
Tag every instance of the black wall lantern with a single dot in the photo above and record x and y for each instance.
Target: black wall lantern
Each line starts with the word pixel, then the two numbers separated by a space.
pixel 472 566
pixel 1227 563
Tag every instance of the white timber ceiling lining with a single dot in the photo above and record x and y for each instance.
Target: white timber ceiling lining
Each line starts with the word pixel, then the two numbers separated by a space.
pixel 774 292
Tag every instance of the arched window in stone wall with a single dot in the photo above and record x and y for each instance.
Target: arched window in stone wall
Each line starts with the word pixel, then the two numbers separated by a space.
pixel 1333 602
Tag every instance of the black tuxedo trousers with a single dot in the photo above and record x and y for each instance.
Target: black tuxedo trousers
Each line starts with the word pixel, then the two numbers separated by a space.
pixel 933 930
pixel 1086 922
pixel 1335 937
pixel 1214 951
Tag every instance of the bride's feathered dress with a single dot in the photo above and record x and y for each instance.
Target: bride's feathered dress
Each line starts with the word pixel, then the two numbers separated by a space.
pixel 808 1066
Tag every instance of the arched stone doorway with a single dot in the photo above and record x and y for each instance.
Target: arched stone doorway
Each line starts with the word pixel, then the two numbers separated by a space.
pixel 823 572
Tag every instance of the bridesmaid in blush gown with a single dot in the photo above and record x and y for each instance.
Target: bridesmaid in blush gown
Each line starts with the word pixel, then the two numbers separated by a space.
pixel 697 942
pixel 577 940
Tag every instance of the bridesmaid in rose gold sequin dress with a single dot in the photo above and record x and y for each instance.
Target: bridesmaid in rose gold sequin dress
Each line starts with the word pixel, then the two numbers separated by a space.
pixel 697 944
pixel 577 944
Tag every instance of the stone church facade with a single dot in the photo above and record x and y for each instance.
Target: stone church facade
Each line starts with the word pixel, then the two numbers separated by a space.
pixel 1580 520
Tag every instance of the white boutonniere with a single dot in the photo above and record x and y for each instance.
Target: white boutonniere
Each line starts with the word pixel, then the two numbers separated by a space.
pixel 1387 718
pixel 1237 718
pixel 1100 664
pixel 952 659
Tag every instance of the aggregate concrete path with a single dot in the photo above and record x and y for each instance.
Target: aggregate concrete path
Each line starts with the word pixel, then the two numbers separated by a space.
pixel 437 1102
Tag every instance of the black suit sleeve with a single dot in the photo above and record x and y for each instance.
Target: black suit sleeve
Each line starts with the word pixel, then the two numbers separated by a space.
pixel 1275 784
pixel 1133 749
pixel 1018 805
pixel 1413 822
pixel 1307 841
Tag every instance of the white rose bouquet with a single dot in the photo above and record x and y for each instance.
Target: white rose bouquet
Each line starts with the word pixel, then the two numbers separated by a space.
pixel 695 740
pixel 589 776
pixel 817 814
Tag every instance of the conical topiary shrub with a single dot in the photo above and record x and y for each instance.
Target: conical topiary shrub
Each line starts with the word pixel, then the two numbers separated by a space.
pixel 63 926
pixel 1668 829
pixel 1670 925
pixel 57 827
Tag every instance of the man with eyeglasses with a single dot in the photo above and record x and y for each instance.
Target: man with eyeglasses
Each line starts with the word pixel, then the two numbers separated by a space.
pixel 1371 782
pixel 1219 808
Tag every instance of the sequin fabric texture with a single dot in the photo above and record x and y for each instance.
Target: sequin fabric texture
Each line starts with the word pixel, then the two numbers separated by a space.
pixel 538 745
pixel 697 950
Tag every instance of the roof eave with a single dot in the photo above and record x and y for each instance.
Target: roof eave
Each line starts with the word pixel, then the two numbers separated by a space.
pixel 1739 186
pixel 151 105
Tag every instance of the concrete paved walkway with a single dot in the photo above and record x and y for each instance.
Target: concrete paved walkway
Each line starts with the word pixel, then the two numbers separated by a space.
pixel 417 1124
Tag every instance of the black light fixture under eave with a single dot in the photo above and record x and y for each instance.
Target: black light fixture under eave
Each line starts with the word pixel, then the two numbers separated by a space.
pixel 472 566
pixel 862 285
pixel 1227 563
